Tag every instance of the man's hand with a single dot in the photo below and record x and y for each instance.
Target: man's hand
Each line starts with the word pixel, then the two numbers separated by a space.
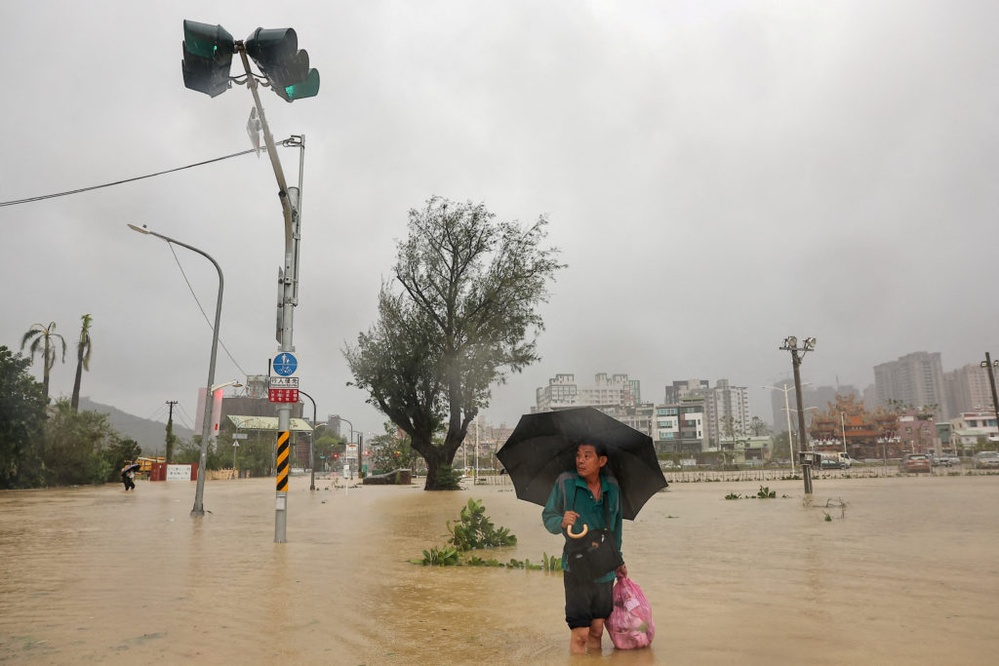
pixel 569 519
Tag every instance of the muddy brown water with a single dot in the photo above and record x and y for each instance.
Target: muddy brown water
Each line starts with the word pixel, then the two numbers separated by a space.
pixel 906 573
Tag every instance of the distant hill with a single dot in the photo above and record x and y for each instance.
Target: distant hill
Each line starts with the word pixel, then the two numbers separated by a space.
pixel 151 435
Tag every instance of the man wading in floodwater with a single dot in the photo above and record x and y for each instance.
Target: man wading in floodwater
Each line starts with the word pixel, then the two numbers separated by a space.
pixel 593 500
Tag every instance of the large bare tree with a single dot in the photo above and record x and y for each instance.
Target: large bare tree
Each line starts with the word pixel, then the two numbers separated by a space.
pixel 460 315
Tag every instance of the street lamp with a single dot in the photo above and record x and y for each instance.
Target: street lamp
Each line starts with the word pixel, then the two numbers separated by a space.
pixel 206 424
pixel 842 425
pixel 797 353
pixel 312 440
pixel 350 439
pixel 235 383
pixel 787 410
pixel 215 389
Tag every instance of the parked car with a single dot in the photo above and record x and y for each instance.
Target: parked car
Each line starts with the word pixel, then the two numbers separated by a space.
pixel 832 463
pixel 913 463
pixel 986 460
pixel 945 461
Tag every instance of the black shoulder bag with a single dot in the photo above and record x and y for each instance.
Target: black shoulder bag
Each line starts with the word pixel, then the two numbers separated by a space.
pixel 593 553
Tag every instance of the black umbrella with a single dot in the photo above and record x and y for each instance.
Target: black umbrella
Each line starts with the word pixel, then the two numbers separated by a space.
pixel 130 468
pixel 543 445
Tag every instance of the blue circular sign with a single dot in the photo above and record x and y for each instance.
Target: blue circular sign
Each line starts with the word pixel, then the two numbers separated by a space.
pixel 285 364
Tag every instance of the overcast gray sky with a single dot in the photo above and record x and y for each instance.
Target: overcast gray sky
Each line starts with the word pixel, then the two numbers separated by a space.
pixel 718 175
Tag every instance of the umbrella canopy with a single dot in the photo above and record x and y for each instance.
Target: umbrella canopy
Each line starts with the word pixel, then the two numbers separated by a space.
pixel 543 445
pixel 130 468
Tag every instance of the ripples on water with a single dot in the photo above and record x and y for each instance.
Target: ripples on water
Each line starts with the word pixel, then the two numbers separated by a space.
pixel 907 574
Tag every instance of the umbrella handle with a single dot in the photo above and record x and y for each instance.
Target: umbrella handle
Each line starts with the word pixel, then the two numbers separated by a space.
pixel 586 528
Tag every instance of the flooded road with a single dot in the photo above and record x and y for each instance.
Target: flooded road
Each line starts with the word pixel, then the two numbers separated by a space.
pixel 906 573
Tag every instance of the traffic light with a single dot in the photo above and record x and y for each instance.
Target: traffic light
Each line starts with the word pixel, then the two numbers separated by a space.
pixel 276 53
pixel 208 53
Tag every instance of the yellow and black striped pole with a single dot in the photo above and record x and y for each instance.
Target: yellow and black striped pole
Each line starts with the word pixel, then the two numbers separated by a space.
pixel 281 495
pixel 282 461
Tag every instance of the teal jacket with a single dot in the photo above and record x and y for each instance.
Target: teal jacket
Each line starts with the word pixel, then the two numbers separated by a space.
pixel 591 512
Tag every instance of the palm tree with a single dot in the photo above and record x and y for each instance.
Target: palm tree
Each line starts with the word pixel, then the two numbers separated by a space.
pixel 44 341
pixel 82 359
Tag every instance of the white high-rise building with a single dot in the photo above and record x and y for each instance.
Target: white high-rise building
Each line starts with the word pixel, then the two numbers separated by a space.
pixel 727 412
pixel 968 389
pixel 606 392
pixel 721 403
pixel 915 380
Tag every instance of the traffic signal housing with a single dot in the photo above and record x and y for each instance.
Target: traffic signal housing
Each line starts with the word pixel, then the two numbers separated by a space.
pixel 208 51
pixel 276 53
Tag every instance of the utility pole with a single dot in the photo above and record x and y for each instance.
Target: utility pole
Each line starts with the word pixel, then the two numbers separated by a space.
pixel 791 345
pixel 990 367
pixel 208 54
pixel 169 432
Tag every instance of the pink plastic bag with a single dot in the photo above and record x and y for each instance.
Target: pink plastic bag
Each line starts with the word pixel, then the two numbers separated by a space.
pixel 630 623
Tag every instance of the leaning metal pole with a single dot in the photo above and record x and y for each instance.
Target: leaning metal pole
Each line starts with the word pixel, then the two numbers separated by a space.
pixel 206 425
pixel 290 276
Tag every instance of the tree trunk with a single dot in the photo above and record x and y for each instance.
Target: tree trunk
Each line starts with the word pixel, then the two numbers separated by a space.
pixel 434 460
pixel 435 457
pixel 47 368
pixel 75 403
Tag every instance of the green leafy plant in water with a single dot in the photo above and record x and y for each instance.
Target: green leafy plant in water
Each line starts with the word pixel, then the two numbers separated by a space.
pixel 474 530
pixel 439 557
pixel 765 493
pixel 551 562
pixel 733 496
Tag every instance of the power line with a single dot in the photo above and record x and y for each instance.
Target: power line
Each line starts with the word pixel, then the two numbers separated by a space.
pixel 128 180
pixel 201 307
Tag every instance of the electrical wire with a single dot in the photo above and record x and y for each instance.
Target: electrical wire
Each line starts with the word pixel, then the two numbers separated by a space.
pixel 183 417
pixel 16 202
pixel 203 313
pixel 121 182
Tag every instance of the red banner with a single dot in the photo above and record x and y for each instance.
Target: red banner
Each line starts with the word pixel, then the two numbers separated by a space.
pixel 282 395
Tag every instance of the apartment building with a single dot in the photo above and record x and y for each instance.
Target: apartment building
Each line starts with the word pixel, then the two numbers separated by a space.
pixel 972 427
pixel 606 391
pixel 915 380
pixel 679 426
pixel 968 389
pixel 726 413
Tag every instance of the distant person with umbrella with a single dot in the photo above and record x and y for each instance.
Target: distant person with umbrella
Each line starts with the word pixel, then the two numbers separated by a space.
pixel 589 471
pixel 128 475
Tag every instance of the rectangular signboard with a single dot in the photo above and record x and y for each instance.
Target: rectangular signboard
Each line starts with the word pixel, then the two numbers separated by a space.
pixel 282 389
pixel 282 395
pixel 178 472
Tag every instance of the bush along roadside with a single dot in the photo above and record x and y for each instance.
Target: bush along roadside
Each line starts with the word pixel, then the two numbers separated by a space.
pixel 474 531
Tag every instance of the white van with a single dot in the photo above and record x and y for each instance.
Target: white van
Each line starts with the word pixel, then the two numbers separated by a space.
pixel 838 460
